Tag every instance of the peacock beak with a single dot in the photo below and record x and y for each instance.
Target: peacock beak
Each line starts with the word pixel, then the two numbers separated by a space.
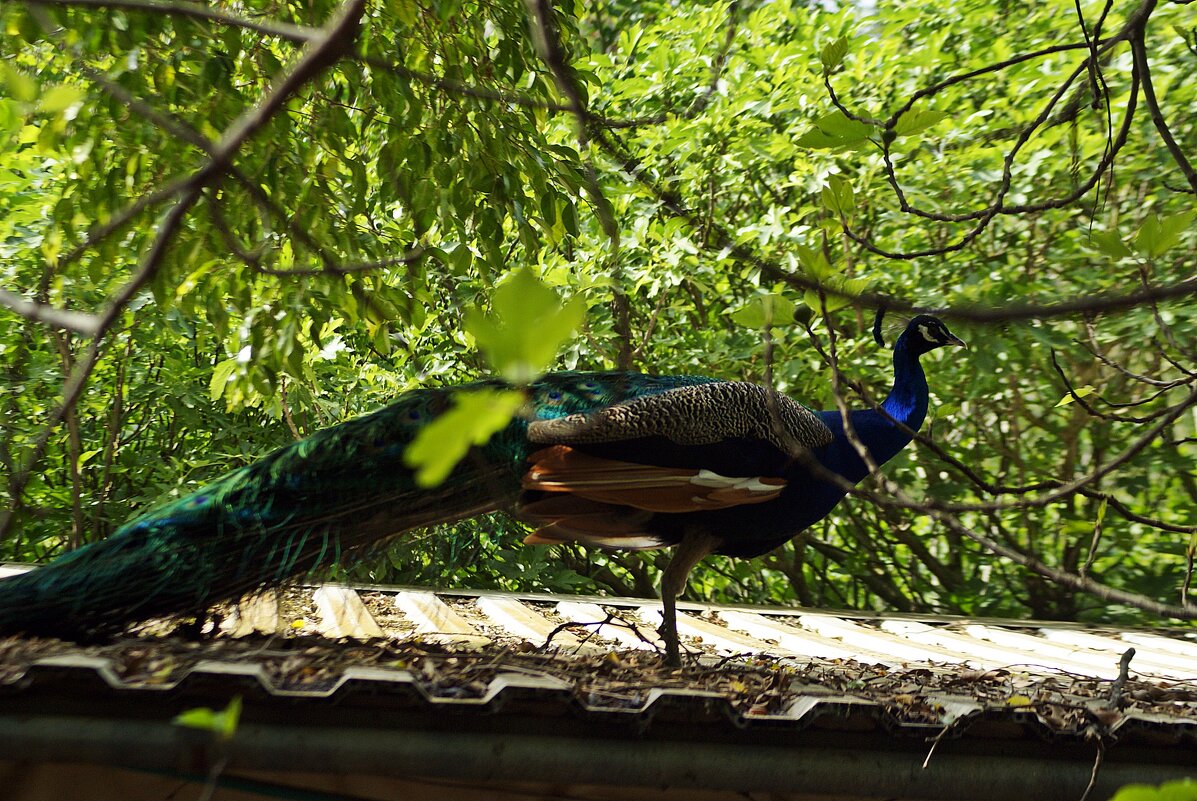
pixel 955 340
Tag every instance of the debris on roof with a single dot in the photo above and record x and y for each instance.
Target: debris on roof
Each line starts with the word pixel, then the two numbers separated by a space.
pixel 895 679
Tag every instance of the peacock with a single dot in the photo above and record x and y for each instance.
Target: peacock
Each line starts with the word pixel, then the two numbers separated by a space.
pixel 610 459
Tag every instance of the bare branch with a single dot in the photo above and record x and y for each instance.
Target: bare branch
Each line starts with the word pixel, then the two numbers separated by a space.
pixel 78 322
pixel 181 8
pixel 1138 45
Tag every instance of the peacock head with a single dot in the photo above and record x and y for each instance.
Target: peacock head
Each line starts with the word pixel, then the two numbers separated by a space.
pixel 925 333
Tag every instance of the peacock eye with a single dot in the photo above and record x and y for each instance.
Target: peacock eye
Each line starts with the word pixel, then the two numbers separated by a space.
pixel 414 415
pixel 588 386
pixel 554 395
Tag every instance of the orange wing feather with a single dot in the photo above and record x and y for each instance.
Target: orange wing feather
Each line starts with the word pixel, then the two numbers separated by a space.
pixel 561 469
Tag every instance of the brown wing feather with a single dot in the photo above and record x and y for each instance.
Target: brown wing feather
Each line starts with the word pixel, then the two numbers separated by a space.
pixel 561 469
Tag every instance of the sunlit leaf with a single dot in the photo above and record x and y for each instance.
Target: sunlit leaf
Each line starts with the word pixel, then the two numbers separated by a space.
pixel 473 420
pixel 220 377
pixel 833 53
pixel 86 456
pixel 17 84
pixel 222 723
pixel 917 121
pixel 60 98
pixel 835 131
pixel 1079 392
pixel 526 326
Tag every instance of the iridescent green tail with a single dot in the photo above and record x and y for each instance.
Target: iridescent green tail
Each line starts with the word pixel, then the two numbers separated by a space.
pixel 299 509
pixel 303 507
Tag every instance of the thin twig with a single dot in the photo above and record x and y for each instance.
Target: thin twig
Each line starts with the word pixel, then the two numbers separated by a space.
pixel 1097 760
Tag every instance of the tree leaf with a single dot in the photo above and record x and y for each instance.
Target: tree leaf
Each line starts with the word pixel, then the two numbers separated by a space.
pixel 473 420
pixel 1110 243
pixel 1079 392
pixel 1159 234
pixel 60 98
pixel 838 196
pixel 86 456
pixel 835 131
pixel 843 291
pixel 917 121
pixel 527 324
pixel 20 86
pixel 765 311
pixel 221 723
pixel 220 377
pixel 832 54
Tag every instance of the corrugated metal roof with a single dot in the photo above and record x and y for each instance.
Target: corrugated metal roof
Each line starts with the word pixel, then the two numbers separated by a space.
pixel 711 634
pixel 817 675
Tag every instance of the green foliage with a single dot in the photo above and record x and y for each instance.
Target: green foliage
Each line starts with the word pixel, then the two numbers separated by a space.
pixel 1182 790
pixel 331 274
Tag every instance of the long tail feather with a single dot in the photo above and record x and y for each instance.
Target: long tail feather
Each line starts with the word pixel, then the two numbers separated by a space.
pixel 296 510
pixel 302 507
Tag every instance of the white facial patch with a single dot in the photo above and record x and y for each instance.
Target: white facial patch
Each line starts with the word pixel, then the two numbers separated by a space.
pixel 926 332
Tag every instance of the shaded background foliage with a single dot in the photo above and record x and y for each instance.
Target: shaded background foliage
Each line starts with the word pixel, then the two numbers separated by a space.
pixel 328 270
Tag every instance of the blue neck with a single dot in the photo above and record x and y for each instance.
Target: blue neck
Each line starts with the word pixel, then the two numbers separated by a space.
pixel 907 400
pixel 907 403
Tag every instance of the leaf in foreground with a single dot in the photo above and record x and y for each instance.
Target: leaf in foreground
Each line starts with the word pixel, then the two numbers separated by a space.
pixel 473 420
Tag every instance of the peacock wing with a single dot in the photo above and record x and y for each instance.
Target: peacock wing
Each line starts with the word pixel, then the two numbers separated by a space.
pixel 606 473
pixel 560 469
pixel 702 414
pixel 574 496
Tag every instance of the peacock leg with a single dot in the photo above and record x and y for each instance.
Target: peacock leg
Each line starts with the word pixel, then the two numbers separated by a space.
pixel 689 552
